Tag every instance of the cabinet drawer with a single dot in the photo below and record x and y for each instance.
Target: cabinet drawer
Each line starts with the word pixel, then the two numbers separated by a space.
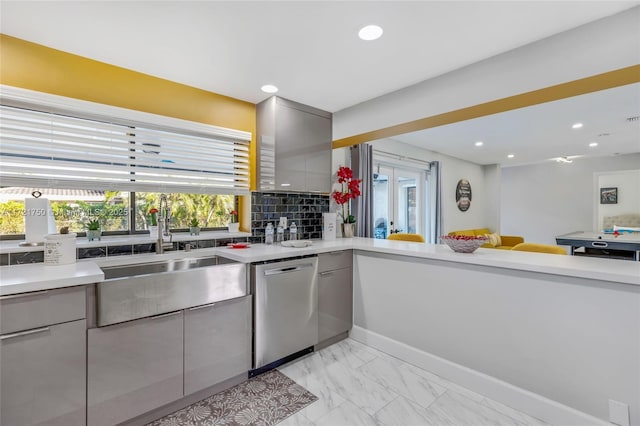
pixel 31 310
pixel 43 378
pixel 335 260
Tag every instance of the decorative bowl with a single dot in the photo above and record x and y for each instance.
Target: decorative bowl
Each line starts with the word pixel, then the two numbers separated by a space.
pixel 463 243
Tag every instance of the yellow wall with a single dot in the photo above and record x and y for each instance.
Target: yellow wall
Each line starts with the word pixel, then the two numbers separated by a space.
pixel 36 67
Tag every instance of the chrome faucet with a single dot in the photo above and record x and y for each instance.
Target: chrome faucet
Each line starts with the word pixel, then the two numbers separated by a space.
pixel 164 215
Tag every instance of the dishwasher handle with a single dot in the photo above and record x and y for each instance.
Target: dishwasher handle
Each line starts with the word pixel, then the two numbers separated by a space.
pixel 287 269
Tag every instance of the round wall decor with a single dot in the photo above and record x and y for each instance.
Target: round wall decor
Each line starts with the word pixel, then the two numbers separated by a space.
pixel 463 195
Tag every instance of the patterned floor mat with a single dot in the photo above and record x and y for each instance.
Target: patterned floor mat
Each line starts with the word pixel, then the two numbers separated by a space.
pixel 263 400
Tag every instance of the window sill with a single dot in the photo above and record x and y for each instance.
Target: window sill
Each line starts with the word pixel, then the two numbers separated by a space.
pixel 12 246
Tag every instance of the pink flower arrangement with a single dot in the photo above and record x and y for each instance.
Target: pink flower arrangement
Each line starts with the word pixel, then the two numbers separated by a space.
pixel 350 191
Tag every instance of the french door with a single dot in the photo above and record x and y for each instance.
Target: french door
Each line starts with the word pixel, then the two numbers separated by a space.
pixel 398 200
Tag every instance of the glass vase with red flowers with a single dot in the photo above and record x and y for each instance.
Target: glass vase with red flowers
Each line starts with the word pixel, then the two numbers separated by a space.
pixel 153 215
pixel 153 222
pixel 233 226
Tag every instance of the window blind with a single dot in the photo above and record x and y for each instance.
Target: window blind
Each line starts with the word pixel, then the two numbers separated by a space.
pixel 45 149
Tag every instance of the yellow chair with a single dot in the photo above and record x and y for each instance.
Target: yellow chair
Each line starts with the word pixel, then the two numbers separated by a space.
pixel 539 248
pixel 399 236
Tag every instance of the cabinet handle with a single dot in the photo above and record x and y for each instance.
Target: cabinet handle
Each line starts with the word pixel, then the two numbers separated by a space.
pixel 16 296
pixel 288 269
pixel 336 252
pixel 325 273
pixel 24 333
pixel 208 305
pixel 170 314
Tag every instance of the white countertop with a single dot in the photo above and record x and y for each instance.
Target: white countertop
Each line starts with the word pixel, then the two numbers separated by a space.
pixel 38 276
pixel 33 277
pixel 621 271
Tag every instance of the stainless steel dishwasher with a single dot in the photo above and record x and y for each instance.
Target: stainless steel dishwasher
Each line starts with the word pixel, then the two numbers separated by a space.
pixel 285 310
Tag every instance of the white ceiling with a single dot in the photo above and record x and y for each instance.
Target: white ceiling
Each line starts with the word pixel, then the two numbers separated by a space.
pixel 543 132
pixel 309 49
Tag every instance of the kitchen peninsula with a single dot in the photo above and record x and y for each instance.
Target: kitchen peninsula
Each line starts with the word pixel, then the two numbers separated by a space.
pixel 526 329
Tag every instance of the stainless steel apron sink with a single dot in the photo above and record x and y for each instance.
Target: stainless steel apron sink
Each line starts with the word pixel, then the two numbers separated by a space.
pixel 147 289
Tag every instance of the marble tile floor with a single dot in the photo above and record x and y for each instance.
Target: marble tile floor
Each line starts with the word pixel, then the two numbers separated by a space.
pixel 359 385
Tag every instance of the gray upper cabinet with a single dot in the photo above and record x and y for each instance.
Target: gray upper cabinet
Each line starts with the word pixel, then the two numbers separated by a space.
pixel 294 147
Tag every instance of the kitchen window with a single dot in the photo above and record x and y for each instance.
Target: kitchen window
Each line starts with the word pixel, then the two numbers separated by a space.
pixel 125 158
pixel 75 208
pixel 211 211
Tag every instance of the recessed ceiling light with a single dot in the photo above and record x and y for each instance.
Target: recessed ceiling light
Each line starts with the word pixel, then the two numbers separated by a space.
pixel 564 160
pixel 510 156
pixel 576 126
pixel 370 32
pixel 593 144
pixel 269 88
pixel 479 143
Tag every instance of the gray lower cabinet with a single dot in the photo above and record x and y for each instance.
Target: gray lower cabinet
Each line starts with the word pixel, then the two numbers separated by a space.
pixel 43 379
pixel 335 294
pixel 43 358
pixel 41 308
pixel 217 343
pixel 134 367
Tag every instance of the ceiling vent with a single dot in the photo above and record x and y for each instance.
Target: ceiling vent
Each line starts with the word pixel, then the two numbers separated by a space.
pixel 634 118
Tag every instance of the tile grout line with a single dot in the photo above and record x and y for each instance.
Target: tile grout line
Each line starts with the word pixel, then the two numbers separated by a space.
pixel 375 415
pixel 401 365
pixel 333 409
pixel 483 402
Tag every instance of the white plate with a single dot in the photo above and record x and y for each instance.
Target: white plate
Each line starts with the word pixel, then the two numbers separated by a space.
pixel 296 243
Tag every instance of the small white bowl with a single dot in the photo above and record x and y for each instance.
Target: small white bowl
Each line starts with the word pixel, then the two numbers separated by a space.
pixel 296 243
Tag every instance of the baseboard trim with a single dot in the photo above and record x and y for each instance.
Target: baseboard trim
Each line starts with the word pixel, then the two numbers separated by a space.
pixel 523 400
pixel 330 341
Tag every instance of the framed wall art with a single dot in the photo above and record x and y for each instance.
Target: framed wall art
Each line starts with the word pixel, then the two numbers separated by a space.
pixel 463 195
pixel 609 195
